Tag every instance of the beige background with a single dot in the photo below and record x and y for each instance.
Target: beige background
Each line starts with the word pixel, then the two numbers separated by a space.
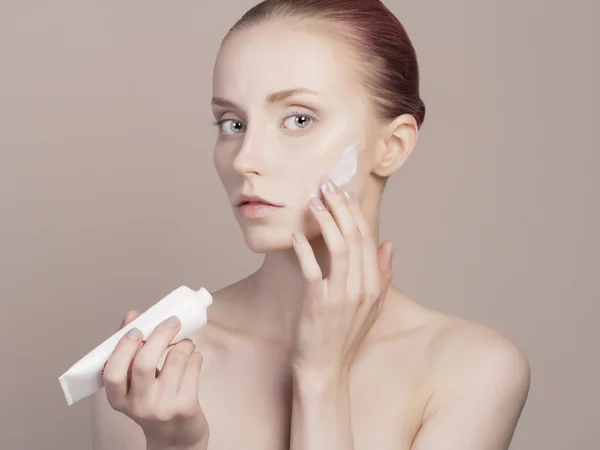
pixel 109 199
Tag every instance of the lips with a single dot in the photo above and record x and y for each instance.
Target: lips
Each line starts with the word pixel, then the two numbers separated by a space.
pixel 255 203
pixel 254 200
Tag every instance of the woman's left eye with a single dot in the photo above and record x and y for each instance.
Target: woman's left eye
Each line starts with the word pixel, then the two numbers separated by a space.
pixel 298 121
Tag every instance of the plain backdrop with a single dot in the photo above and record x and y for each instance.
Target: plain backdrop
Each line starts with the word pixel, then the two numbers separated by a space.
pixel 109 198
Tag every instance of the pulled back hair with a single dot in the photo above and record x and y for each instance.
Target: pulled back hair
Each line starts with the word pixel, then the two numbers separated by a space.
pixel 387 61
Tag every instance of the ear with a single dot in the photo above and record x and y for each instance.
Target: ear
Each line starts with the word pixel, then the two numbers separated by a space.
pixel 397 142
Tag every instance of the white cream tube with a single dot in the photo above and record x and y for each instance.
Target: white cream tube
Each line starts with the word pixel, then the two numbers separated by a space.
pixel 85 377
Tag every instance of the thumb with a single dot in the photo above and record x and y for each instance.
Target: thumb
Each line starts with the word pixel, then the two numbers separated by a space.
pixel 130 317
pixel 384 259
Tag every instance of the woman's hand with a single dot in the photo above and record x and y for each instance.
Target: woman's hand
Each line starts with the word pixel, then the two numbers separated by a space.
pixel 339 311
pixel 164 403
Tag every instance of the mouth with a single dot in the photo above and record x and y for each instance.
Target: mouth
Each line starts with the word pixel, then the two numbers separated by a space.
pixel 254 207
pixel 254 200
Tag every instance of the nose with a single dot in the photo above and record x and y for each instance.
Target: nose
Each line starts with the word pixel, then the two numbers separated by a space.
pixel 249 158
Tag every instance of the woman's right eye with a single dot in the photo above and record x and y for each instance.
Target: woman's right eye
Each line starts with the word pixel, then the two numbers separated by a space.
pixel 231 126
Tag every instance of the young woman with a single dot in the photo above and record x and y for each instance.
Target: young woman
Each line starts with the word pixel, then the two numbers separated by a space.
pixel 316 350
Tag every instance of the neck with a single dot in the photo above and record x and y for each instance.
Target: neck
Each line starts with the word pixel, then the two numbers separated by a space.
pixel 276 288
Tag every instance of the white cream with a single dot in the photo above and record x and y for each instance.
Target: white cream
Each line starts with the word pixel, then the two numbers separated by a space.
pixel 85 377
pixel 345 169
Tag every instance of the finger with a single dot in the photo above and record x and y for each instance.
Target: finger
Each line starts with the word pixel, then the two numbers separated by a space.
pixel 143 369
pixel 172 370
pixel 313 277
pixel 116 369
pixel 129 316
pixel 385 256
pixel 344 215
pixel 188 388
pixel 336 245
pixel 371 272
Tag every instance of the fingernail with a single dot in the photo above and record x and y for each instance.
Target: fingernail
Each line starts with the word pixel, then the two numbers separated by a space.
pixel 348 195
pixel 329 186
pixel 317 204
pixel 173 321
pixel 298 237
pixel 134 334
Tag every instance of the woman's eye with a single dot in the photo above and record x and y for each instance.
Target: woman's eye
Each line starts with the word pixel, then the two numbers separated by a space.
pixel 298 121
pixel 230 126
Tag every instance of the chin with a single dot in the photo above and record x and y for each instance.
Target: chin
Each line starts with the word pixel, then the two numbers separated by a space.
pixel 267 241
pixel 274 238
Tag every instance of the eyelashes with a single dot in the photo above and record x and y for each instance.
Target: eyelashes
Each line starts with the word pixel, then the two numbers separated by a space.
pixel 312 118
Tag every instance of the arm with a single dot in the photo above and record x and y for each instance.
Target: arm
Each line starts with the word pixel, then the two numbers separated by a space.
pixel 477 408
pixel 336 314
pixel 321 417
pixel 112 430
pixel 482 402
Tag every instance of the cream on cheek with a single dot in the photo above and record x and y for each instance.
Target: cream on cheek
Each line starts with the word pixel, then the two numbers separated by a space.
pixel 313 158
pixel 345 169
pixel 312 166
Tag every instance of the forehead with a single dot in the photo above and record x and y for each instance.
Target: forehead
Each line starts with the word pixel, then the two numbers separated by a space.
pixel 276 56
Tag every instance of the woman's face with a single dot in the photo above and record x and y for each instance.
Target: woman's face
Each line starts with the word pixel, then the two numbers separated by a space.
pixel 287 106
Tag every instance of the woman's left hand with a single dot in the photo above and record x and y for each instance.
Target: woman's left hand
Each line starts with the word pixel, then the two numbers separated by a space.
pixel 338 312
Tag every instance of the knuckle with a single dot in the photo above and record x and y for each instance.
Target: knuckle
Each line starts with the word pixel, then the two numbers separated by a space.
pixel 178 355
pixel 116 403
pixel 339 250
pixel 313 277
pixel 196 362
pixel 112 379
pixel 142 367
pixel 355 298
pixel 188 410
pixel 186 345
pixel 354 235
pixel 197 357
pixel 139 410
pixel 372 296
pixel 164 415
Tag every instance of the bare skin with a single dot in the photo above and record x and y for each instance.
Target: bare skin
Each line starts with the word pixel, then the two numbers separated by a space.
pixel 405 379
pixel 420 380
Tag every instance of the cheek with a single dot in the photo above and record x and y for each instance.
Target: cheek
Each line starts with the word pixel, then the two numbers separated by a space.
pixel 305 173
pixel 357 185
pixel 223 161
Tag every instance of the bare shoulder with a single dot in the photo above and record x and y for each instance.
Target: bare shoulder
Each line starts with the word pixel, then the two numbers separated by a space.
pixel 470 350
pixel 475 380
pixel 470 360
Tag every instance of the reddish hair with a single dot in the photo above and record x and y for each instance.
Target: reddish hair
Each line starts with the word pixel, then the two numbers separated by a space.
pixel 389 68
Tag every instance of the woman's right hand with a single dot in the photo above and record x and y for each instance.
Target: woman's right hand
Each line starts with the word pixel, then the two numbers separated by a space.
pixel 164 403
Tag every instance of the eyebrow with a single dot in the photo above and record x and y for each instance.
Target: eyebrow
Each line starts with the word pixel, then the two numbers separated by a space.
pixel 274 97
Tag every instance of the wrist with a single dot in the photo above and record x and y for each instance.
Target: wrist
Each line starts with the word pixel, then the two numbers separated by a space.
pixel 319 381
pixel 151 446
pixel 202 445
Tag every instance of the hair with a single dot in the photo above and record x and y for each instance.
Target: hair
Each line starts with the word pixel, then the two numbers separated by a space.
pixel 387 59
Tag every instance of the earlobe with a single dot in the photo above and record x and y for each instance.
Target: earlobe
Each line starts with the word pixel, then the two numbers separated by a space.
pixel 397 142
